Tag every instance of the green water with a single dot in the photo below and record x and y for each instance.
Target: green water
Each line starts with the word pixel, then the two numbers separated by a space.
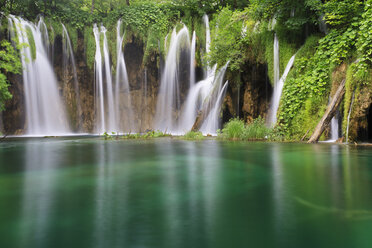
pixel 174 193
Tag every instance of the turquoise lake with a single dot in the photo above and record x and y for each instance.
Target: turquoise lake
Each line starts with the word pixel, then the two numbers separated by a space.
pixel 88 192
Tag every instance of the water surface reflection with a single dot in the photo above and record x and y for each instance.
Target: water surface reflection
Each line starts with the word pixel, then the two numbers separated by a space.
pixel 174 193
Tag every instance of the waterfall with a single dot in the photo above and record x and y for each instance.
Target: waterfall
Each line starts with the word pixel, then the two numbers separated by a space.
pixel 111 117
pixel 124 114
pixel 278 88
pixel 99 98
pixel 192 59
pixel 212 123
pixel 169 99
pixel 107 99
pixel 334 128
pixel 276 60
pixel 45 36
pixel 69 60
pixel 144 100
pixel 195 99
pixel 348 117
pixel 206 94
pixel 207 41
pixel 207 34
pixel 45 113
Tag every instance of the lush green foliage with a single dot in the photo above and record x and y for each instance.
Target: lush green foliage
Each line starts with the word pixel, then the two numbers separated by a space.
pixel 9 63
pixel 191 135
pixel 307 89
pixel 235 129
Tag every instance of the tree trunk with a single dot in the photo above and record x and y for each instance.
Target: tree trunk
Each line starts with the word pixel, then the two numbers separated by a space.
pixel 45 7
pixel 328 115
pixel 92 9
pixel 128 2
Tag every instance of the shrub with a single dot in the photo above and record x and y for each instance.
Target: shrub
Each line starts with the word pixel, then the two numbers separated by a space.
pixel 257 130
pixel 234 129
pixel 193 136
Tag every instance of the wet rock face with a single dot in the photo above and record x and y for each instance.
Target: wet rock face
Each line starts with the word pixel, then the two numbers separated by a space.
pixel 144 83
pixel 82 120
pixel 361 121
pixel 133 54
pixel 14 121
pixel 251 98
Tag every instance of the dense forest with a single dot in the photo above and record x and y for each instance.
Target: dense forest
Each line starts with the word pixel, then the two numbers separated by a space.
pixel 332 41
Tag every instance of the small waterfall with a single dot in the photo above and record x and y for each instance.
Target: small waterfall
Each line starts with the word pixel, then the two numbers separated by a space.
pixel 278 88
pixel 144 100
pixel 111 116
pixel 334 128
pixel 276 60
pixel 45 113
pixel 124 113
pixel 207 94
pixel 106 97
pixel 212 123
pixel 169 100
pixel 69 63
pixel 348 117
pixel 192 59
pixel 195 99
pixel 99 96
pixel 207 34
pixel 207 41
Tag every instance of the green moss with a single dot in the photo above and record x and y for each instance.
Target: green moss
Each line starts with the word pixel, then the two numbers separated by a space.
pixel 90 46
pixel 269 54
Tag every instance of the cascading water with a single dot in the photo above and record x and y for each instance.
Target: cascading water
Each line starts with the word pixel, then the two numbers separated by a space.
pixel 348 117
pixel 207 40
pixel 45 113
pixel 278 88
pixel 192 59
pixel 144 99
pixel 124 111
pixel 212 123
pixel 69 63
pixel 99 96
pixel 169 99
pixel 206 95
pixel 176 111
pixel 334 128
pixel 111 113
pixel 42 27
pixel 276 60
